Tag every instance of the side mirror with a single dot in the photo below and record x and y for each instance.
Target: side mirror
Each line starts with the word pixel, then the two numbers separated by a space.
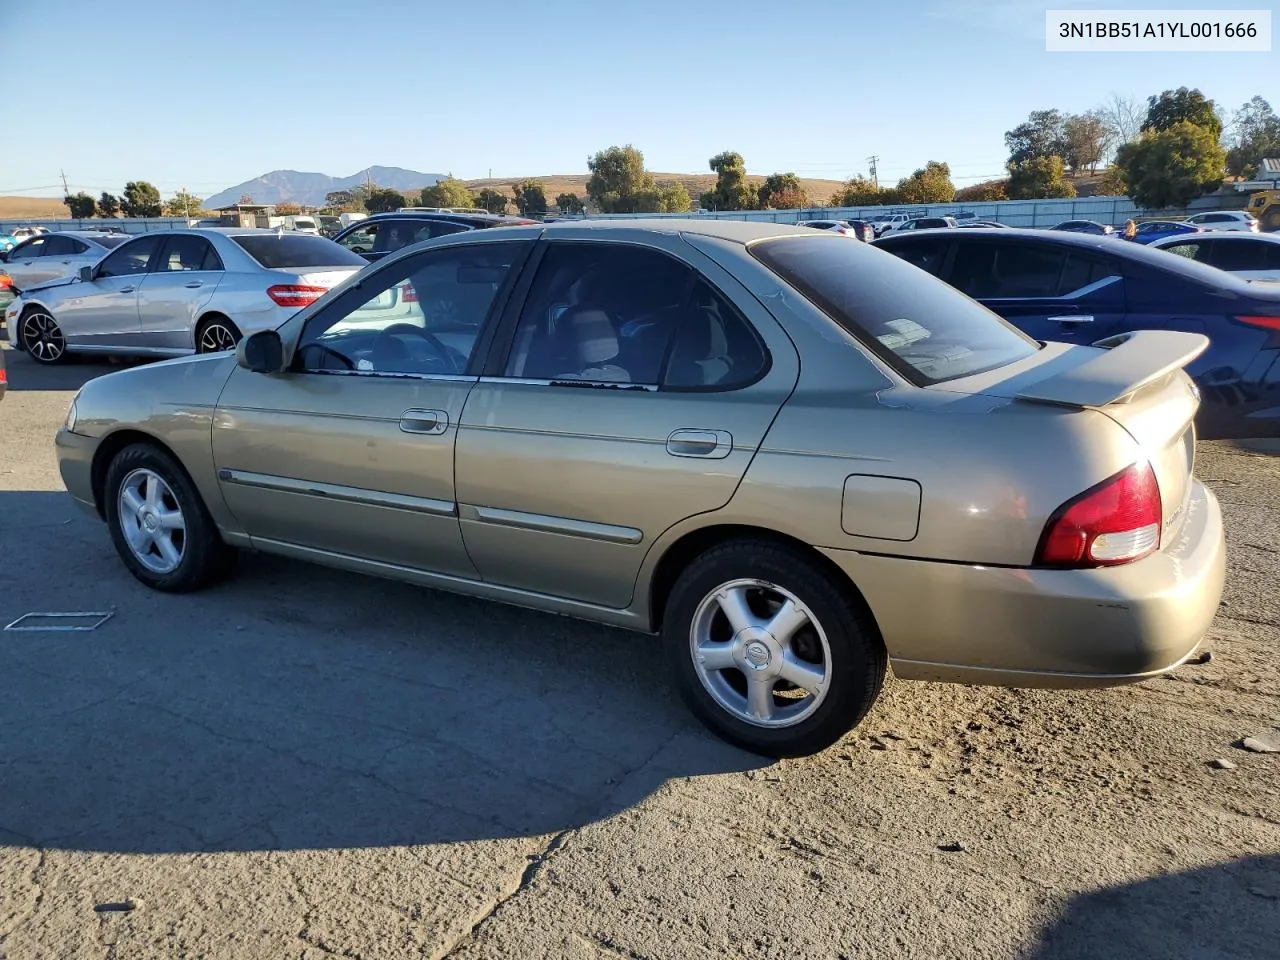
pixel 261 352
pixel 86 274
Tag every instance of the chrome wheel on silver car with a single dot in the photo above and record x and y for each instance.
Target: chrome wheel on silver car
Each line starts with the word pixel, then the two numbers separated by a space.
pixel 760 653
pixel 217 335
pixel 772 647
pixel 41 336
pixel 152 521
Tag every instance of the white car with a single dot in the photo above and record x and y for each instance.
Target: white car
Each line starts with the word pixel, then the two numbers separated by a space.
pixel 1249 256
pixel 1237 220
pixel 890 221
pixel 177 292
pixel 49 256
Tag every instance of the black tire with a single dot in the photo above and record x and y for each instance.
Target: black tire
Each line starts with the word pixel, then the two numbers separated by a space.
pixel 209 326
pixel 857 652
pixel 205 557
pixel 45 345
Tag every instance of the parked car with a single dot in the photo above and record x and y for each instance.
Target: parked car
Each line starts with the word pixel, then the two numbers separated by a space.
pixel 888 222
pixel 330 226
pixel 51 256
pixel 983 224
pixel 301 224
pixel 7 242
pixel 761 441
pixel 26 233
pixel 376 236
pixel 1237 220
pixel 1082 289
pixel 860 229
pixel 1085 226
pixel 1250 256
pixel 1153 230
pixel 178 292
pixel 925 223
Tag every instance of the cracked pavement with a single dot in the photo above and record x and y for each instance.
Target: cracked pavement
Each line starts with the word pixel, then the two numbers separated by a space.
pixel 303 762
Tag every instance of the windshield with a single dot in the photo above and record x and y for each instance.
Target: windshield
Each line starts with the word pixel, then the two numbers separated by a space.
pixel 922 327
pixel 275 251
pixel 304 223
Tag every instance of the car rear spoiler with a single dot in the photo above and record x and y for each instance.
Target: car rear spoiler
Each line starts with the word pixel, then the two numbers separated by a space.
pixel 1129 362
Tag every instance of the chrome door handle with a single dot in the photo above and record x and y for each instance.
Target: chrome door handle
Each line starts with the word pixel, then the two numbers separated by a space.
pixel 193 284
pixel 430 422
pixel 128 289
pixel 707 444
pixel 1073 318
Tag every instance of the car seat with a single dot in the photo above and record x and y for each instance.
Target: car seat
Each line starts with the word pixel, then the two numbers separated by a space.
pixel 596 346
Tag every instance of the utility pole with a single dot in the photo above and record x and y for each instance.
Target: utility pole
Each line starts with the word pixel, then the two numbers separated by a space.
pixel 875 181
pixel 65 191
pixel 186 200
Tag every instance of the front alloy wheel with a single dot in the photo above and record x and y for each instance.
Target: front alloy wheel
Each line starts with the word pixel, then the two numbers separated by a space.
pixel 41 337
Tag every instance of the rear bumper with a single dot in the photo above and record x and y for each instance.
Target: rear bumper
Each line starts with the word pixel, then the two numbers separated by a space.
pixel 1049 628
pixel 75 463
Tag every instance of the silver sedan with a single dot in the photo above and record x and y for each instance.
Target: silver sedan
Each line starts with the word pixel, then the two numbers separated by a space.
pixel 50 256
pixel 178 292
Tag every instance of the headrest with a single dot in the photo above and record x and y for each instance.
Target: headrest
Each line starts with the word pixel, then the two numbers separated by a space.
pixel 596 339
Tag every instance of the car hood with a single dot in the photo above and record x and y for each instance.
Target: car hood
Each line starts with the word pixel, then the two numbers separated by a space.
pixel 48 284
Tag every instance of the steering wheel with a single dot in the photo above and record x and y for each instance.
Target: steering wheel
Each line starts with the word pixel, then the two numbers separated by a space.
pixel 454 361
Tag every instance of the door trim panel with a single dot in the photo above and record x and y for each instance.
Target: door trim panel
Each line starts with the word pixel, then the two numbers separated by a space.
pixel 587 529
pixel 334 491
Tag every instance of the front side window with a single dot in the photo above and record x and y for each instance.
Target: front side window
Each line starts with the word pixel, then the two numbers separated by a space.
pixel 29 249
pixel 186 252
pixel 421 316
pixel 130 258
pixel 361 240
pixel 1192 251
pixel 58 246
pixel 917 324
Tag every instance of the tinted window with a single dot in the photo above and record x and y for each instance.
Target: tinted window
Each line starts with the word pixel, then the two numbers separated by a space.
pixel 917 324
pixel 186 252
pixel 130 258
pixel 361 240
pixel 714 347
pixel 930 222
pixel 112 241
pixel 927 253
pixel 1195 250
pixel 1001 270
pixel 1235 255
pixel 1082 270
pixel 276 251
pixel 402 233
pixel 601 312
pixel 419 316
pixel 27 249
pixel 57 246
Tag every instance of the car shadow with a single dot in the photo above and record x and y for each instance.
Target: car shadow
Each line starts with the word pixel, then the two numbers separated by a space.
pixel 299 707
pixel 73 373
pixel 1231 910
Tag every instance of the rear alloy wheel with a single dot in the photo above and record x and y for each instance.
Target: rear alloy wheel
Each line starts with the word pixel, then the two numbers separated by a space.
pixel 216 335
pixel 159 525
pixel 41 336
pixel 770 650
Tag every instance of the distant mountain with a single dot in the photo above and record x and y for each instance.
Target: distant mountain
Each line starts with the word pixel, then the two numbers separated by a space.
pixel 310 188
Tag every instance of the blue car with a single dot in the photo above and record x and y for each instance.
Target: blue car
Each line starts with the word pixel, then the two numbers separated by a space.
pixel 1159 229
pixel 1079 288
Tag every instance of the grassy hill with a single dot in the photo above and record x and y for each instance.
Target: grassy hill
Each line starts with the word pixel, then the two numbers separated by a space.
pixel 41 208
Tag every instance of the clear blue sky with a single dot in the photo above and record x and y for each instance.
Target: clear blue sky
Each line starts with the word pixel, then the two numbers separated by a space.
pixel 208 93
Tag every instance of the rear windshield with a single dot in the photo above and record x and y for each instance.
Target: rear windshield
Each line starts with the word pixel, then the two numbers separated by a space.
pixel 276 251
pixel 922 327
pixel 304 222
pixel 112 241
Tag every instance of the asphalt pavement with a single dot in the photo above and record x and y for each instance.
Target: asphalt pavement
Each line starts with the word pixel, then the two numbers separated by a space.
pixel 303 762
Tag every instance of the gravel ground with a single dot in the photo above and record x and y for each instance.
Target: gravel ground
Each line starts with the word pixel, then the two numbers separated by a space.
pixel 303 762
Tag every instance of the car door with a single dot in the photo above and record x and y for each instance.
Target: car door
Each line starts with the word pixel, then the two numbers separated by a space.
pixel 103 312
pixel 350 454
pixel 58 258
pixel 1050 291
pixel 629 389
pixel 171 297
pixel 23 263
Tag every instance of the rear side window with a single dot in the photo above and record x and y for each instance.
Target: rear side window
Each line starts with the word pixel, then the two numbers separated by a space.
pixel 185 252
pixel 402 233
pixel 917 324
pixel 279 251
pixel 112 241
pixel 1236 255
pixel 1192 251
pixel 58 246
pixel 927 253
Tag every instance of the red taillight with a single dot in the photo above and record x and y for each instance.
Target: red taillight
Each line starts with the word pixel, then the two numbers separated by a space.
pixel 6 281
pixel 1117 521
pixel 408 293
pixel 1266 323
pixel 295 295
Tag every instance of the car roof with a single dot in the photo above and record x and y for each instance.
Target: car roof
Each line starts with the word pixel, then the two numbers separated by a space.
pixel 85 234
pixel 1235 236
pixel 740 231
pixel 455 217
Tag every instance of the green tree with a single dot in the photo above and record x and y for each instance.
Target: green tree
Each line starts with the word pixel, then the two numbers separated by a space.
pixel 987 191
pixel 858 192
pixel 287 208
pixel 1169 167
pixel 384 200
pixel 141 199
pixel 1181 106
pixel 619 182
pixel 81 205
pixel 674 198
pixel 447 193
pixel 732 190
pixel 1085 139
pixel 108 204
pixel 1040 178
pixel 570 203
pixel 1112 183
pixel 1255 134
pixel 183 204
pixel 344 201
pixel 530 197
pixel 492 200
pixel 930 184
pixel 1040 135
pixel 783 188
